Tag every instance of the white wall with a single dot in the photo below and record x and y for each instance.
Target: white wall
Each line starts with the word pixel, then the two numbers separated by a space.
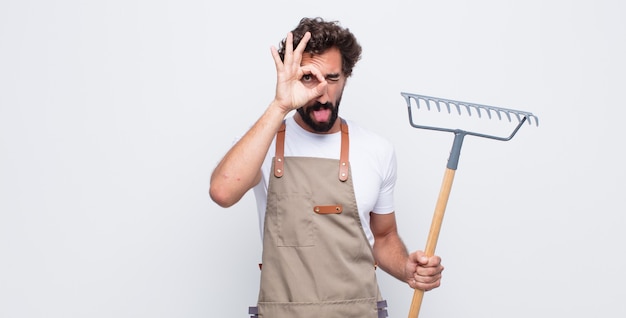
pixel 114 113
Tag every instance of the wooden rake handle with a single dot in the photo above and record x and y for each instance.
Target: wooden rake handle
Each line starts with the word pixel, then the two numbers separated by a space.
pixel 433 235
pixel 440 209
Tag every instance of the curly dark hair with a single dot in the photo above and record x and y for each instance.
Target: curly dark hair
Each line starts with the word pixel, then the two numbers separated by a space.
pixel 325 35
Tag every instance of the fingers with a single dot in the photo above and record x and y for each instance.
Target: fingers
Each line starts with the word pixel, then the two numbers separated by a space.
pixel 427 271
pixel 431 271
pixel 290 63
pixel 295 56
pixel 423 260
pixel 425 284
pixel 302 46
pixel 288 54
pixel 277 61
pixel 426 278
pixel 288 49
pixel 320 81
pixel 296 84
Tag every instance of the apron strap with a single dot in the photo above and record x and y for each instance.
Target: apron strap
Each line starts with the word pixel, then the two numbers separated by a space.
pixel 344 163
pixel 279 158
pixel 382 309
pixel 254 312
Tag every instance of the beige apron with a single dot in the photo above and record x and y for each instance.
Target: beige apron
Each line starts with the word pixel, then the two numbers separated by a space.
pixel 317 261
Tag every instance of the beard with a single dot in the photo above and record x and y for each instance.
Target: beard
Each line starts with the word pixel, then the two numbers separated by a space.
pixel 321 127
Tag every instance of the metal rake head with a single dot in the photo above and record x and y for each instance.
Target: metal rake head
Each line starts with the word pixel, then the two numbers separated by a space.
pixel 449 105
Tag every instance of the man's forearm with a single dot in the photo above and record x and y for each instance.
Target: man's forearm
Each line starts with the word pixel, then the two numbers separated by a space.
pixel 391 255
pixel 239 170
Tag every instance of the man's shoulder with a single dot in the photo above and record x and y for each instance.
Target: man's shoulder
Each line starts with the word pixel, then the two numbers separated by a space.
pixel 363 135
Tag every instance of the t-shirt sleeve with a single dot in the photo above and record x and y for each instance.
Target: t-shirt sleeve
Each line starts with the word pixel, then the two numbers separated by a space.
pixel 385 202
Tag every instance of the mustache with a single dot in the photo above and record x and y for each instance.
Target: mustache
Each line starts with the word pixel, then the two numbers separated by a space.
pixel 319 106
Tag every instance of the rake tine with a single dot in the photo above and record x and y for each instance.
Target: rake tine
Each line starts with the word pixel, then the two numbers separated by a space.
pixel 458 108
pixel 508 115
pixel 536 119
pixel 489 113
pixel 448 107
pixel 467 108
pixel 438 103
pixel 498 113
pixel 478 111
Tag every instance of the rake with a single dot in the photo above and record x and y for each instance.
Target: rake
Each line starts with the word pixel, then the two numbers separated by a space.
pixel 430 103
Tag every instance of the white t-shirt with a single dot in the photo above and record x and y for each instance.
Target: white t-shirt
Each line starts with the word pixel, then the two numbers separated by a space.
pixel 372 163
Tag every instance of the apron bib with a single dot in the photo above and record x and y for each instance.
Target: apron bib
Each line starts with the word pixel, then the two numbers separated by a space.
pixel 316 259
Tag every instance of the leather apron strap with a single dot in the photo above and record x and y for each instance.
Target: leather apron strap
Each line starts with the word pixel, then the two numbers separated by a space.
pixel 344 163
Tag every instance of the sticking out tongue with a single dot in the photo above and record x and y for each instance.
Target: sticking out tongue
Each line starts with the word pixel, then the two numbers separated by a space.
pixel 322 115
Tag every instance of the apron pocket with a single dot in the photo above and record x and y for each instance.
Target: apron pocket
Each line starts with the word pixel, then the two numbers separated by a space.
pixel 294 220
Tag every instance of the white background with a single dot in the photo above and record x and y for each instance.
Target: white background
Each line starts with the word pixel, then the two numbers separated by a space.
pixel 114 113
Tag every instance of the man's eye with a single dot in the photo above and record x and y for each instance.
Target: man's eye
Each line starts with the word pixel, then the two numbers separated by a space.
pixel 307 77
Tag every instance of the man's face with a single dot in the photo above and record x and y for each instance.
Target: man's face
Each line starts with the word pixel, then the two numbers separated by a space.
pixel 320 115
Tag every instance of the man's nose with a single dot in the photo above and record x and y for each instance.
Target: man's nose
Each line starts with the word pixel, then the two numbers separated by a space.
pixel 324 98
